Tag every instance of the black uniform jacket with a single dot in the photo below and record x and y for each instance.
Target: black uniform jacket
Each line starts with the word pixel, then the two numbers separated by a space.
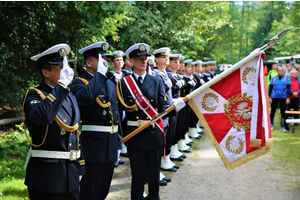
pixel 198 79
pixel 126 72
pixel 99 147
pixel 175 89
pixel 150 138
pixel 50 175
pixel 112 75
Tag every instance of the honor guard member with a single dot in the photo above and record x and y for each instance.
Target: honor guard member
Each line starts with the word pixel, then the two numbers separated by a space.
pixel 182 120
pixel 117 61
pixel 206 69
pixel 213 68
pixel 151 66
pixel 53 117
pixel 127 67
pixel 101 131
pixel 181 65
pixel 177 84
pixel 114 75
pixel 142 96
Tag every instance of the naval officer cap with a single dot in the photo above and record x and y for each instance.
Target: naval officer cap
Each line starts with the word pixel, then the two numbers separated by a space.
pixel 182 58
pixel 193 64
pixel 138 49
pixel 164 51
pixel 117 54
pixel 198 62
pixel 54 55
pixel 95 49
pixel 175 56
pixel 150 61
pixel 188 62
pixel 213 62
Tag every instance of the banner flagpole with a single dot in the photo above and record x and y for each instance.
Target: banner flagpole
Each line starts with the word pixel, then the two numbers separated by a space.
pixel 256 52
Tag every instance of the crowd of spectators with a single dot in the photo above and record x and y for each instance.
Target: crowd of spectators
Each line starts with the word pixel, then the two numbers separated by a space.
pixel 284 88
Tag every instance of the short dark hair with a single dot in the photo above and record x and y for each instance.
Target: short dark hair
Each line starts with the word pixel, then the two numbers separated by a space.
pixel 46 66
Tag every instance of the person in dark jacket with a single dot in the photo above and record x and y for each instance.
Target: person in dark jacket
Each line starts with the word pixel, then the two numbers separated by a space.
pixel 53 117
pixel 101 131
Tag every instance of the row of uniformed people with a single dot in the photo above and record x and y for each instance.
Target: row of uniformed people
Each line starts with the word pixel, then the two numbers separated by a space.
pixel 99 107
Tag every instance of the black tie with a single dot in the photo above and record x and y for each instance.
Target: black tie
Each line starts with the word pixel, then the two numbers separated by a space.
pixel 140 81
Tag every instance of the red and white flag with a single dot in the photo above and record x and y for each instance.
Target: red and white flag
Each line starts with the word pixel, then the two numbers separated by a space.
pixel 233 108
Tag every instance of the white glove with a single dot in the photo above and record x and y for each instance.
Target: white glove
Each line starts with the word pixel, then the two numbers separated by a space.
pixel 179 104
pixel 102 65
pixel 66 74
pixel 168 83
pixel 192 83
pixel 179 84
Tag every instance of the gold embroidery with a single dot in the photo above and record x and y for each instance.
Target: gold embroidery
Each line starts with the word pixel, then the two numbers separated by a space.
pixel 249 75
pixel 209 101
pixel 242 113
pixel 234 146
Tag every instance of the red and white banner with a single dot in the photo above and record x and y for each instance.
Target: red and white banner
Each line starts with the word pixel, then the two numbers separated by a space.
pixel 233 108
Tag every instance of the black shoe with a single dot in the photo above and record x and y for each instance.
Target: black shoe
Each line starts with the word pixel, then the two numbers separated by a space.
pixel 124 155
pixel 183 156
pixel 189 150
pixel 189 144
pixel 173 169
pixel 180 159
pixel 163 182
pixel 121 162
pixel 168 179
pixel 197 137
pixel 176 166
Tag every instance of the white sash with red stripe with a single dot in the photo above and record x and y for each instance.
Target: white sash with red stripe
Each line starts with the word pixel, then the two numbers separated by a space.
pixel 142 101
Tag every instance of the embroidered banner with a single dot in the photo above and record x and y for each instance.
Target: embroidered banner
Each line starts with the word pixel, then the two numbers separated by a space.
pixel 235 113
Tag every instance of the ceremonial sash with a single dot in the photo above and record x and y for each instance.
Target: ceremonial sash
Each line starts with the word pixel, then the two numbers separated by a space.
pixel 142 101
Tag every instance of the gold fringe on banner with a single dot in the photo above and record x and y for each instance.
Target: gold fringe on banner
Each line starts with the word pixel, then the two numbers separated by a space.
pixel 240 161
pixel 255 143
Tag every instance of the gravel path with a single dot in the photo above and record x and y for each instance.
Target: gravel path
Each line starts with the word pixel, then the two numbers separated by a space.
pixel 202 175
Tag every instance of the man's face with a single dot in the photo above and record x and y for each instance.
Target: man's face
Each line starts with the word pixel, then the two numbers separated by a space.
pixel 52 76
pixel 274 67
pixel 92 64
pixel 207 69
pixel 174 65
pixel 294 74
pixel 128 63
pixel 213 67
pixel 181 67
pixel 198 69
pixel 188 70
pixel 280 71
pixel 118 63
pixel 139 63
pixel 162 60
pixel 193 69
pixel 289 67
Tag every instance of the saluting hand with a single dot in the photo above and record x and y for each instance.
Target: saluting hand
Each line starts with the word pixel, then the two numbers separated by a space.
pixel 66 74
pixel 102 65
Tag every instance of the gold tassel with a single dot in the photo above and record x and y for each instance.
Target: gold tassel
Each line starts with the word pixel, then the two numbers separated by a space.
pixel 121 98
pixel 255 143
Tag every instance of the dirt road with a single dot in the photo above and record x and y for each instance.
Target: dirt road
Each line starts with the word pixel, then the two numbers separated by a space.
pixel 202 175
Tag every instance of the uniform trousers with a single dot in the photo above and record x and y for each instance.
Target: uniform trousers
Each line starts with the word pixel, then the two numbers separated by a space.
pixel 34 195
pixel 141 162
pixel 96 182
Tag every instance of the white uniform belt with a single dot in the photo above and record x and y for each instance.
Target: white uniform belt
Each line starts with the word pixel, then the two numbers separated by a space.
pixel 111 129
pixel 136 123
pixel 72 155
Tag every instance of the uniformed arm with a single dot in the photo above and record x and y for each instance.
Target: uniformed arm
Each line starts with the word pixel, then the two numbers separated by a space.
pixel 86 94
pixel 43 112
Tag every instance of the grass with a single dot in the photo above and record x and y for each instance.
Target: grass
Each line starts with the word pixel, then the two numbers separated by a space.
pixel 13 147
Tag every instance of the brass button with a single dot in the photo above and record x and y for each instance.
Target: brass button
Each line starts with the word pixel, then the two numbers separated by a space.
pixel 117 121
pixel 116 101
pixel 147 117
pixel 71 133
pixel 136 109
pixel 151 100
pixel 116 111
pixel 70 144
pixel 103 101
pixel 65 121
pixel 130 100
pixel 110 121
pixel 137 117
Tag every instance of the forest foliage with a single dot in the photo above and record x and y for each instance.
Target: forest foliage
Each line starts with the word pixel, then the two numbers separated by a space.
pixel 222 31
